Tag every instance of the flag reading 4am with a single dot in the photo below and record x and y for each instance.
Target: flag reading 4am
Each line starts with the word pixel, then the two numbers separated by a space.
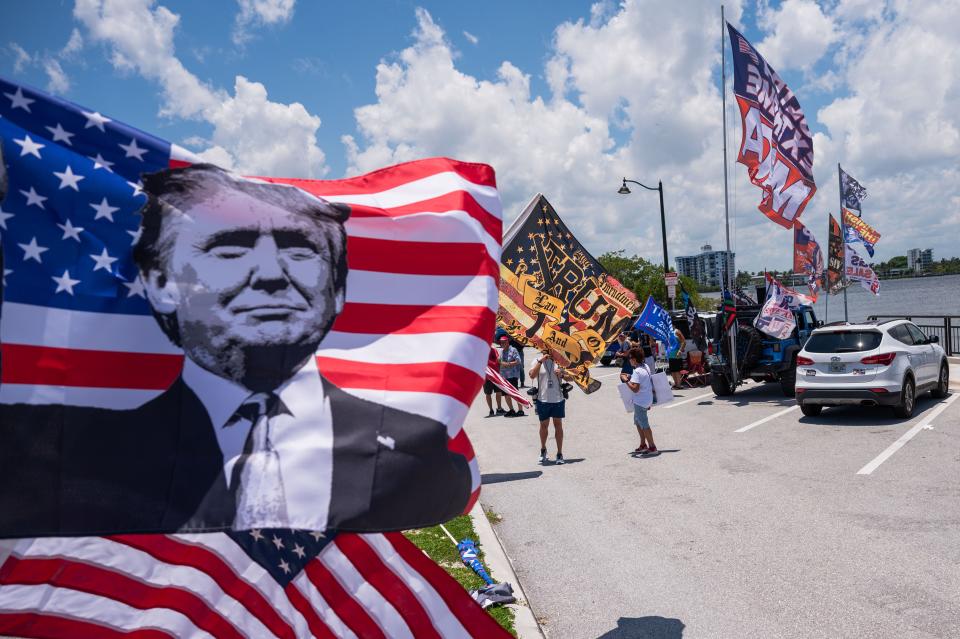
pixel 777 147
pixel 555 295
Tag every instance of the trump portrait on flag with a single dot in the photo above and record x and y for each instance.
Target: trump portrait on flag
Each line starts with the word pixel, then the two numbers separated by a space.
pixel 246 277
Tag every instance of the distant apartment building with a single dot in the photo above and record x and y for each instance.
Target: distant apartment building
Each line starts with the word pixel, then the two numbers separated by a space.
pixel 919 260
pixel 709 268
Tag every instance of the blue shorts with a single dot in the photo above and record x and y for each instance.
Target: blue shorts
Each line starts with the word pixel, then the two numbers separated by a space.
pixel 640 418
pixel 546 410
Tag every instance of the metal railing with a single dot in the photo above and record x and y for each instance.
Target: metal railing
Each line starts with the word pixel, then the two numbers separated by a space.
pixel 946 327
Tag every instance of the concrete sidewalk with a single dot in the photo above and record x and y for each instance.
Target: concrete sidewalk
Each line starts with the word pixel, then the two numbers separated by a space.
pixel 501 569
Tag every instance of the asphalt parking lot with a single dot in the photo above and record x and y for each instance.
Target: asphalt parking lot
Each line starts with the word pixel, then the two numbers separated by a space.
pixel 754 521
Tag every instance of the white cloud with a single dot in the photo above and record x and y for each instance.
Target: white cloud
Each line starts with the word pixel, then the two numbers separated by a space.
pixel 22 59
pixel 260 12
pixel 801 34
pixel 471 38
pixel 250 133
pixel 57 80
pixel 648 65
pixel 73 46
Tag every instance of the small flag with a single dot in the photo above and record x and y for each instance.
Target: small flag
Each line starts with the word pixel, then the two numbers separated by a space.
pixel 808 258
pixel 851 192
pixel 835 258
pixel 857 270
pixel 729 311
pixel 655 321
pixel 856 230
pixel 775 318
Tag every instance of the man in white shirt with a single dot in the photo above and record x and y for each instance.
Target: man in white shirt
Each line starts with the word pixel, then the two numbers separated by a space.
pixel 642 388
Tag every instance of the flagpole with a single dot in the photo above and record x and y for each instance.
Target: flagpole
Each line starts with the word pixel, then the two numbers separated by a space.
pixel 843 241
pixel 726 196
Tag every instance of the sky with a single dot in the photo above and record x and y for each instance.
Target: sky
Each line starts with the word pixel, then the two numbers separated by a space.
pixel 560 97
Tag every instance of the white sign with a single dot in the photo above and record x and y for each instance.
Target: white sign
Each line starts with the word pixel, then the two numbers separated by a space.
pixel 671 291
pixel 671 279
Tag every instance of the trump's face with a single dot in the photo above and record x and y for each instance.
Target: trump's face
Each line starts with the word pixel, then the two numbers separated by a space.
pixel 242 274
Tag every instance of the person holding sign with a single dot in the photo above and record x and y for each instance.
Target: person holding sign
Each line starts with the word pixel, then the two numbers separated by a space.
pixel 642 386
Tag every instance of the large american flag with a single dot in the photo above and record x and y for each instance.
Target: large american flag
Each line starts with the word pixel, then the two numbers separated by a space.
pixel 75 329
pixel 257 583
pixel 423 251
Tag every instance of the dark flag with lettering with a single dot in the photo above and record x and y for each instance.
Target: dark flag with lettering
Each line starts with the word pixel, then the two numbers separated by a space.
pixel 777 147
pixel 555 295
pixel 851 192
pixel 836 262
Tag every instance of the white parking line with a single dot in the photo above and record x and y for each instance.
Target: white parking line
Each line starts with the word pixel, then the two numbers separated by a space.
pixel 766 419
pixel 605 376
pixel 687 401
pixel 907 436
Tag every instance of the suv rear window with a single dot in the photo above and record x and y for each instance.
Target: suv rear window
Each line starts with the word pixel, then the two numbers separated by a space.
pixel 843 342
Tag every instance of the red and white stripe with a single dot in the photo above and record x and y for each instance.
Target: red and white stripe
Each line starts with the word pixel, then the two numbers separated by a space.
pixel 371 585
pixel 498 380
pixel 421 302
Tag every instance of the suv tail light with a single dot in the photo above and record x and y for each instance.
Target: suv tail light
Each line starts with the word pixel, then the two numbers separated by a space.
pixel 884 359
pixel 804 361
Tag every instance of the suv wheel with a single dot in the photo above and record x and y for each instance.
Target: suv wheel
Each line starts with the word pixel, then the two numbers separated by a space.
pixel 943 382
pixel 908 400
pixel 788 379
pixel 811 410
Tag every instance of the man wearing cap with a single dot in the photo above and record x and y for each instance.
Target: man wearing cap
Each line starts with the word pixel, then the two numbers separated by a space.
pixel 510 367
pixel 247 278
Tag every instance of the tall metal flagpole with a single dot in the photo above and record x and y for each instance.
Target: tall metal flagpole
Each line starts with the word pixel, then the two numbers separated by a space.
pixel 843 242
pixel 726 196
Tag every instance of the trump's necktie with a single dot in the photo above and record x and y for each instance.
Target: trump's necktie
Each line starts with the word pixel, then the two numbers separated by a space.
pixel 256 477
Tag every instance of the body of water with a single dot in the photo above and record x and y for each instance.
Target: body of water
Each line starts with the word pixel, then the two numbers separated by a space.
pixel 915 296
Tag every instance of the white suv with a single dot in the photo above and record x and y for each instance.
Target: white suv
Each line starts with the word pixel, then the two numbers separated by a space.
pixel 887 363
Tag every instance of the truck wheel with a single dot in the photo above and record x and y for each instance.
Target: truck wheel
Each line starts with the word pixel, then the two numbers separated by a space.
pixel 811 410
pixel 720 384
pixel 788 379
pixel 908 400
pixel 943 382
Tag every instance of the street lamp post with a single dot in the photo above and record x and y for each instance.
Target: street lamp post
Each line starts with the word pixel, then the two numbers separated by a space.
pixel 663 220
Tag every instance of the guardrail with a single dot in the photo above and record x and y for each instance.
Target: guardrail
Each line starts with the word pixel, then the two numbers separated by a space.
pixel 946 327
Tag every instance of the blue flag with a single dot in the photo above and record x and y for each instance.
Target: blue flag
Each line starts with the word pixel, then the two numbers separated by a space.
pixel 655 321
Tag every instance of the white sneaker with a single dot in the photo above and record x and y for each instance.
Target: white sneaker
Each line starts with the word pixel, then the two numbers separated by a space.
pixel 560 459
pixel 543 455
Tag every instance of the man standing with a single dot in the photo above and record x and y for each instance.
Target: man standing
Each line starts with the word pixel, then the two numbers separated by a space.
pixel 642 388
pixel 510 368
pixel 550 403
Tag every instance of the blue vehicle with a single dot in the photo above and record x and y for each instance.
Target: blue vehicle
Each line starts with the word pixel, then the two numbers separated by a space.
pixel 760 357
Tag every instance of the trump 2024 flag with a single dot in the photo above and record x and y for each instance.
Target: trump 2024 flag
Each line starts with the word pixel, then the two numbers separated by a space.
pixel 777 147
pixel 186 350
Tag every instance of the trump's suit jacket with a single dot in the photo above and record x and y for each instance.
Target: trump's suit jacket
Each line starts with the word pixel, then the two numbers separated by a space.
pixel 158 468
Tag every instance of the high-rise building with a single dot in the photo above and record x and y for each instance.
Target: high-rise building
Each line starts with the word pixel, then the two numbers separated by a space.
pixel 709 268
pixel 919 260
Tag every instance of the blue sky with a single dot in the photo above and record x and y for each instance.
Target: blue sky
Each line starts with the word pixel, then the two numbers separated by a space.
pixel 560 97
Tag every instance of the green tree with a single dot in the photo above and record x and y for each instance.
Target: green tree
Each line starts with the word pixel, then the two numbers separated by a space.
pixel 743 278
pixel 646 279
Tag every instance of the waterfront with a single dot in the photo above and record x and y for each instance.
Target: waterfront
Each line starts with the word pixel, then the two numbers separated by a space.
pixel 919 296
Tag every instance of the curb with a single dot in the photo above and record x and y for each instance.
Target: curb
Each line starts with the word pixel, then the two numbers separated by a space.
pixel 524 621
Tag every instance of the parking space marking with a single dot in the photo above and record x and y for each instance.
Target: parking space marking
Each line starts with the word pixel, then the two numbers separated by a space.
pixel 606 376
pixel 907 436
pixel 687 401
pixel 766 419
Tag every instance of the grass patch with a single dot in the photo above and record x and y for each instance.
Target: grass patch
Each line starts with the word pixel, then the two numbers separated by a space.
pixel 492 516
pixel 438 546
